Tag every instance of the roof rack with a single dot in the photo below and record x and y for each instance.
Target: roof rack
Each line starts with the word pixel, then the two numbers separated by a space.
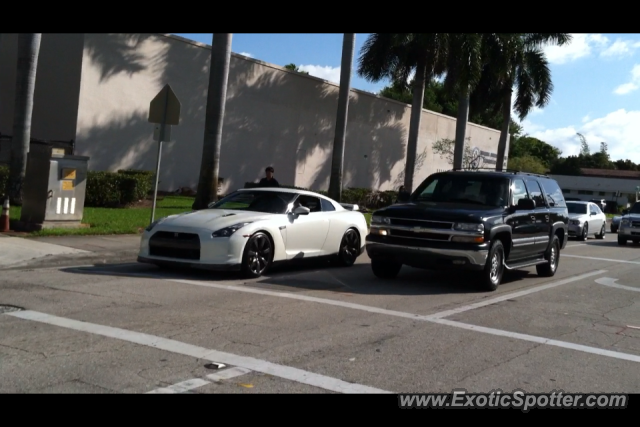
pixel 503 171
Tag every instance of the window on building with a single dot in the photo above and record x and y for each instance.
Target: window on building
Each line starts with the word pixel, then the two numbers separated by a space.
pixel 585 192
pixel 566 191
pixel 602 193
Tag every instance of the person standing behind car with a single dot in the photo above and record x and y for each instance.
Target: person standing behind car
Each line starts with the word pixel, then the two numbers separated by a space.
pixel 269 180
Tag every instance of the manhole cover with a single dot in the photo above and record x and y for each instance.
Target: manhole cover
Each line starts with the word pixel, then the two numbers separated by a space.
pixel 5 308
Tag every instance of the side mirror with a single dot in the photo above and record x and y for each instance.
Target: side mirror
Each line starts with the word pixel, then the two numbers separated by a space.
pixel 301 210
pixel 404 196
pixel 525 205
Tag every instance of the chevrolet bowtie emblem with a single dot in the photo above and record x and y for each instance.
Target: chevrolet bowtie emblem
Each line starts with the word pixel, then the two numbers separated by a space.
pixel 419 229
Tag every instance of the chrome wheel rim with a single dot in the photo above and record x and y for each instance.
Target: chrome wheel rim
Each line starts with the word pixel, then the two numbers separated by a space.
pixel 349 247
pixel 259 254
pixel 585 231
pixel 553 258
pixel 495 267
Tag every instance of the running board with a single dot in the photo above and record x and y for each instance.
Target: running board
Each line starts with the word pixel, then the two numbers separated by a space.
pixel 523 264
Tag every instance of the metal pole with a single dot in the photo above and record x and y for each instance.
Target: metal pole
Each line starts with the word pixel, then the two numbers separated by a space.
pixel 160 139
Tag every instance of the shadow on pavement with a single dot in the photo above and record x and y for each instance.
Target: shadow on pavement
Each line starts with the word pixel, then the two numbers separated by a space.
pixel 310 275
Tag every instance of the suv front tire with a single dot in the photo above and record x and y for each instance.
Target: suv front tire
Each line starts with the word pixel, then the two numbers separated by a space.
pixel 494 268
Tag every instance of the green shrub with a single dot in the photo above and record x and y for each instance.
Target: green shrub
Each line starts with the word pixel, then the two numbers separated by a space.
pixel 116 189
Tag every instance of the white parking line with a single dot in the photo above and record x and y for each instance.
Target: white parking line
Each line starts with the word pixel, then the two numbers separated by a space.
pixel 608 281
pixel 180 387
pixel 257 365
pixel 540 340
pixel 194 383
pixel 464 308
pixel 622 261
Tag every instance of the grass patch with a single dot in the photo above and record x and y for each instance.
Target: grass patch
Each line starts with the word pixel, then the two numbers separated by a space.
pixel 105 221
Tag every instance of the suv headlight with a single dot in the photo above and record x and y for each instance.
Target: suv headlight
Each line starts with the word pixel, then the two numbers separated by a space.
pixel 228 231
pixel 380 220
pixel 462 226
pixel 624 222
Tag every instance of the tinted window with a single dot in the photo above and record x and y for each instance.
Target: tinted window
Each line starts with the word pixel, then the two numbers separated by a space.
pixel 577 208
pixel 554 193
pixel 535 192
pixel 461 189
pixel 313 203
pixel 519 191
pixel 257 201
pixel 327 206
pixel 595 210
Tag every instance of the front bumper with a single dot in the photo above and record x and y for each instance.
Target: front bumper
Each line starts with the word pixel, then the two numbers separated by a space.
pixel 193 248
pixel 627 232
pixel 575 230
pixel 435 256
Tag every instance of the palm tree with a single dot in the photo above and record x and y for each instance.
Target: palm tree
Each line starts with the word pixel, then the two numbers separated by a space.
pixel 335 182
pixel 214 119
pixel 396 56
pixel 28 53
pixel 464 69
pixel 517 60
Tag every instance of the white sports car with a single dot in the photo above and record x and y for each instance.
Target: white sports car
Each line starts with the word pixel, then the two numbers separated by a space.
pixel 251 229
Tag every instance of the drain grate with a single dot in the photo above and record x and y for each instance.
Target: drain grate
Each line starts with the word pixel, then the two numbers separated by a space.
pixel 6 308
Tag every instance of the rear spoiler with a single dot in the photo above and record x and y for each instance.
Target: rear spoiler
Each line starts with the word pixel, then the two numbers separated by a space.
pixel 350 207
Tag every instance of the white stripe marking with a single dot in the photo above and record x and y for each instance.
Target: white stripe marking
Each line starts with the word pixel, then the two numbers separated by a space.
pixel 540 340
pixel 448 313
pixel 608 281
pixel 73 205
pixel 622 261
pixel 229 373
pixel 66 205
pixel 257 365
pixel 435 318
pixel 180 387
pixel 58 203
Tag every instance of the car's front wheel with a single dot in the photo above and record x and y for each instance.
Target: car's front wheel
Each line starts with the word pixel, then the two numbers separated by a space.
pixel 494 268
pixel 603 232
pixel 585 232
pixel 257 256
pixel 349 248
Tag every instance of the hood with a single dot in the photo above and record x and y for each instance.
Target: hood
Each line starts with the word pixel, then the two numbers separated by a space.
pixel 634 216
pixel 449 212
pixel 212 218
pixel 577 216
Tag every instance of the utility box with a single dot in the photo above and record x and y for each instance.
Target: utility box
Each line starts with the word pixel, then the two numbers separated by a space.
pixel 54 188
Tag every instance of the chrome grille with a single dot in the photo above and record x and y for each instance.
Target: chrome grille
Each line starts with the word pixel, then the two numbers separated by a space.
pixel 440 225
pixel 635 223
pixel 419 234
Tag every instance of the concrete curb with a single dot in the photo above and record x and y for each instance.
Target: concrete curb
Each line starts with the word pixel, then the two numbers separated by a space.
pixel 94 258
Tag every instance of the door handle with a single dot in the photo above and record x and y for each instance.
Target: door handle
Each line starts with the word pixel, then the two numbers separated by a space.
pixel 533 217
pixel 546 217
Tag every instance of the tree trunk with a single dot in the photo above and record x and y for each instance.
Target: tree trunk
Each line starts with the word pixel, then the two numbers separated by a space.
pixel 504 132
pixel 28 52
pixel 414 124
pixel 214 119
pixel 335 182
pixel 461 128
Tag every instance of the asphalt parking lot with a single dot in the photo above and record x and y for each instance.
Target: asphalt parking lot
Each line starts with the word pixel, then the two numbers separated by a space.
pixel 132 328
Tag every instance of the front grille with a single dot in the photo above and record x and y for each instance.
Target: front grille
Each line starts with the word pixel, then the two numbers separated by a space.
pixel 175 245
pixel 420 235
pixel 635 223
pixel 440 225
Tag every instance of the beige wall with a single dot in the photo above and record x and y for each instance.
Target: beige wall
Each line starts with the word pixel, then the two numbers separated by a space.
pixel 273 117
pixel 55 106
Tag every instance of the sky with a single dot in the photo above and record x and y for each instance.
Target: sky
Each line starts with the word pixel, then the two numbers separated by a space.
pixel 596 80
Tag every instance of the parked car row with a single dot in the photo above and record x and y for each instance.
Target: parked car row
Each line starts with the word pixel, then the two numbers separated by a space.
pixel 487 222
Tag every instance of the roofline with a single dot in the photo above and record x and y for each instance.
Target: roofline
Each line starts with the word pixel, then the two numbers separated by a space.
pixel 308 76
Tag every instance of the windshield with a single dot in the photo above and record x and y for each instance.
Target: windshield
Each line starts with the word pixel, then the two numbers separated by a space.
pixel 477 190
pixel 274 202
pixel 577 208
pixel 635 209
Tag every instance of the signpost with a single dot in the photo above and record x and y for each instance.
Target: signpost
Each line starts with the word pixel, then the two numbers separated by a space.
pixel 164 110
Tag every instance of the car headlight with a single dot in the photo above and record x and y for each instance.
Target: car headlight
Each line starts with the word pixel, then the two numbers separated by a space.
pixel 154 223
pixel 380 220
pixel 575 221
pixel 462 226
pixel 228 231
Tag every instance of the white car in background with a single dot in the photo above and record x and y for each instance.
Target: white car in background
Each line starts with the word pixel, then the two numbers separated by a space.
pixel 586 218
pixel 252 229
